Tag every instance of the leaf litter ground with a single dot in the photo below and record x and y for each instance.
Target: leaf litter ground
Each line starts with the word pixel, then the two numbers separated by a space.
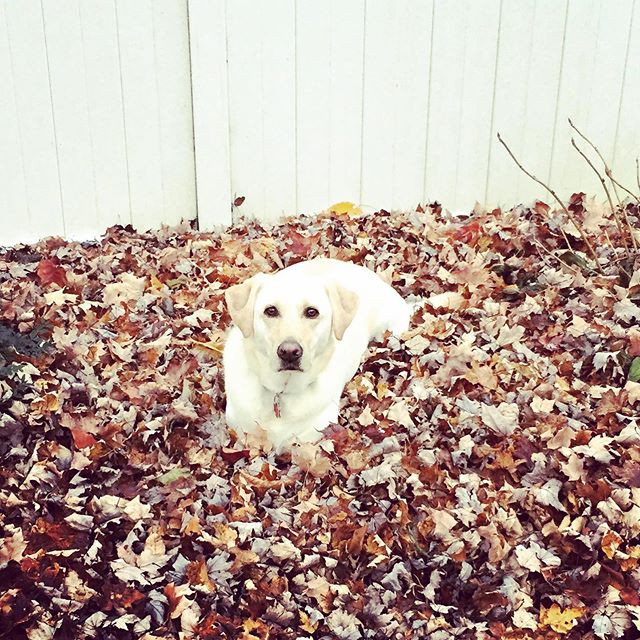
pixel 483 482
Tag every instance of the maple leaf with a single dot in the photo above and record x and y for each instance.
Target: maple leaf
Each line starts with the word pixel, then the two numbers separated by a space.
pixel 610 543
pixel 285 550
pixel 174 599
pixel 81 438
pixel 346 209
pixel 59 297
pixel 311 459
pixel 560 620
pixel 129 287
pixel 306 624
pixel 49 271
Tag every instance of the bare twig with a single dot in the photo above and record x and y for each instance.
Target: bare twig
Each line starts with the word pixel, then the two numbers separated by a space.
pixel 553 255
pixel 607 169
pixel 576 224
pixel 614 182
pixel 617 260
pixel 604 186
pixel 638 172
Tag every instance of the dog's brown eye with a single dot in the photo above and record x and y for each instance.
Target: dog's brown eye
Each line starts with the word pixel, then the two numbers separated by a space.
pixel 311 312
pixel 271 312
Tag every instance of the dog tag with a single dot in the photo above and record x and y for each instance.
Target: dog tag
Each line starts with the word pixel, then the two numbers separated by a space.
pixel 276 405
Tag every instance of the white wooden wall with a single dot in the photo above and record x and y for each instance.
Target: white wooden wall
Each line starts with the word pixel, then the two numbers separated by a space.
pixel 95 116
pixel 298 104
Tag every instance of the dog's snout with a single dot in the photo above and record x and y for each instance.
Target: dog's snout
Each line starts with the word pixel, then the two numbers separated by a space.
pixel 290 351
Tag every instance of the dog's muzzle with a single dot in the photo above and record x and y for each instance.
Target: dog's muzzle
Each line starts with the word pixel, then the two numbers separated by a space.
pixel 290 353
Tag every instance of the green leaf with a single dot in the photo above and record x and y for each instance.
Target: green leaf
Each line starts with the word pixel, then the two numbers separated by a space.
pixel 634 370
pixel 573 258
pixel 173 475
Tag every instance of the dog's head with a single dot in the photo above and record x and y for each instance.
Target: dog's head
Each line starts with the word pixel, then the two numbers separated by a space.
pixel 290 320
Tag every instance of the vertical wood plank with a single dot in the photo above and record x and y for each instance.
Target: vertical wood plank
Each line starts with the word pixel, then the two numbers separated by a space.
pixel 627 144
pixel 261 40
pixel 35 120
pixel 141 111
pixel 345 143
pixel 396 84
pixel 607 76
pixel 63 35
pixel 590 88
pixel 379 105
pixel 445 101
pixel 247 148
pixel 462 82
pixel 279 107
pixel 15 218
pixel 106 112
pixel 173 77
pixel 314 66
pixel 208 34
pixel 476 95
pixel 529 62
pixel 329 58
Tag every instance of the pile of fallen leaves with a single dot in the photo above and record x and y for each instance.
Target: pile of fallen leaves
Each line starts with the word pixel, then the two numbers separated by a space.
pixel 483 482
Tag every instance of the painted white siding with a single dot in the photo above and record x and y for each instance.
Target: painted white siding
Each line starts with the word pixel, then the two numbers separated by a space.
pixel 95 116
pixel 398 101
pixel 151 111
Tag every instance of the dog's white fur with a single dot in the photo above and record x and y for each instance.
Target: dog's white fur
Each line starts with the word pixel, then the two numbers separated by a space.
pixel 355 305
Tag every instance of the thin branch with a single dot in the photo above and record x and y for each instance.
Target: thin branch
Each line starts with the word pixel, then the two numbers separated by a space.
pixel 638 173
pixel 557 199
pixel 617 260
pixel 564 235
pixel 607 169
pixel 553 255
pixel 604 186
pixel 614 182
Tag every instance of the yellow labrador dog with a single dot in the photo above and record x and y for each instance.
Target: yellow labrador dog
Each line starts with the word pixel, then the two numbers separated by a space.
pixel 298 338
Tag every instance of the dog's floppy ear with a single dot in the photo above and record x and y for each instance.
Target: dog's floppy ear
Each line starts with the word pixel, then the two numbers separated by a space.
pixel 344 304
pixel 240 299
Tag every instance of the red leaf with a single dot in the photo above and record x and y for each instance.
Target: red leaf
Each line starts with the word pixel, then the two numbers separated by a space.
pixel 238 201
pixel 542 208
pixel 82 439
pixel 233 455
pixel 49 270
pixel 634 342
pixel 630 596
pixel 172 597
pixel 299 244
pixel 576 199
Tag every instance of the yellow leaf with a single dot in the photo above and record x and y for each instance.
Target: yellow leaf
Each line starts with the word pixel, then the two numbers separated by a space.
pixel 225 534
pixel 305 622
pixel 251 625
pixel 49 403
pixel 346 209
pixel 155 283
pixel 560 620
pixel 629 560
pixel 381 389
pixel 193 526
pixel 610 543
pixel 213 346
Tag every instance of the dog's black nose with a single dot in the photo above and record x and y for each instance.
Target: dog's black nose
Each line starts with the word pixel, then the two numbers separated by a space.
pixel 289 351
